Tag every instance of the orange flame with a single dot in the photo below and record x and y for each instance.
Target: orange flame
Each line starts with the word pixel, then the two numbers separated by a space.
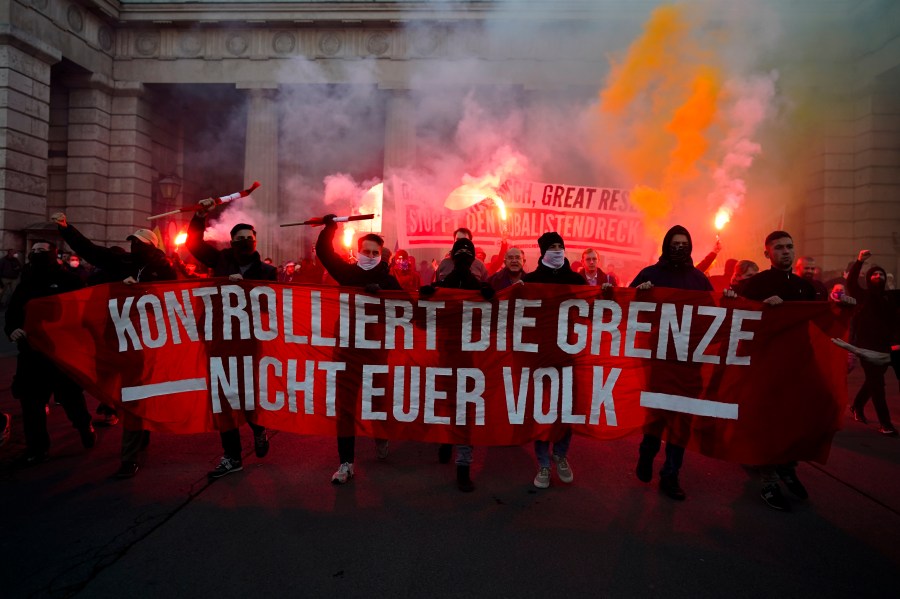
pixel 349 232
pixel 180 239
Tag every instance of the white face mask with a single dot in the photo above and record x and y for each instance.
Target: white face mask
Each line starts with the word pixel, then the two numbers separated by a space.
pixel 367 263
pixel 74 263
pixel 554 258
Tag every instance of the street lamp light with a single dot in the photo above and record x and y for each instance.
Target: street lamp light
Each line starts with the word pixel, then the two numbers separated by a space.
pixel 169 186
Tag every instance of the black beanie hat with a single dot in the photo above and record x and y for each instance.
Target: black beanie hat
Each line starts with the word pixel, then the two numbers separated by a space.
pixel 548 239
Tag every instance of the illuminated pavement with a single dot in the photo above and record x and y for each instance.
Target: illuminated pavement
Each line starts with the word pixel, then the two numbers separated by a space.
pixel 401 529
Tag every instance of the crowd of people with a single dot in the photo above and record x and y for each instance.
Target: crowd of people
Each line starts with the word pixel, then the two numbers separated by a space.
pixel 372 268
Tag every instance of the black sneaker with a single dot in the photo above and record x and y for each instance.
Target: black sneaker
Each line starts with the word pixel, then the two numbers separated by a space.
pixel 794 485
pixel 126 470
pixel 670 487
pixel 771 494
pixel 88 436
pixel 644 469
pixel 463 481
pixel 226 466
pixel 261 444
pixel 888 431
pixel 445 452
pixel 858 415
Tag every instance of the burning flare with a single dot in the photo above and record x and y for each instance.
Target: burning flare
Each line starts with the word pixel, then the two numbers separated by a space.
pixel 722 218
pixel 180 239
pixel 349 232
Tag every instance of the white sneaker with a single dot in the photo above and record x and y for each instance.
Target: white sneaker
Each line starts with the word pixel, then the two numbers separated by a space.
pixel 563 470
pixel 382 448
pixel 343 474
pixel 542 480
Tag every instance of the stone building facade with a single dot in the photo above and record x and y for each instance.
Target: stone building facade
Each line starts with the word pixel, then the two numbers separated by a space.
pixel 97 103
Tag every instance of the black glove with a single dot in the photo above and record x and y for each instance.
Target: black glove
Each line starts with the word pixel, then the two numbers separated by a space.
pixel 427 290
pixel 328 219
pixel 373 288
pixel 487 292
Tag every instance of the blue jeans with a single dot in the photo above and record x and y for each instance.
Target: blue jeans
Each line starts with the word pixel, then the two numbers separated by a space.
pixel 560 449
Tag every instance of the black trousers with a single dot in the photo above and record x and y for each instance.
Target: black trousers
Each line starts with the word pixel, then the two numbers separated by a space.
pixel 36 380
pixel 873 388
pixel 231 440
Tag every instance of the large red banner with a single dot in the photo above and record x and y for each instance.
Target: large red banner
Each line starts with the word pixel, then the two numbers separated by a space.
pixel 730 378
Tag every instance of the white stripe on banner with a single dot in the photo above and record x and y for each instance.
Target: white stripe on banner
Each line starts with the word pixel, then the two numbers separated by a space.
pixel 689 405
pixel 145 391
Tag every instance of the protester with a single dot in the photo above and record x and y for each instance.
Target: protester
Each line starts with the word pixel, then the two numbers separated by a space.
pixel 806 269
pixel 10 271
pixel 512 272
pixel 37 378
pixel 674 269
pixel 404 272
pixel 145 263
pixel 743 270
pixel 773 287
pixel 446 266
pixel 874 324
pixel 461 277
pixel 553 267
pixel 239 262
pixel 287 275
pixel 591 270
pixel 373 274
pixel 426 271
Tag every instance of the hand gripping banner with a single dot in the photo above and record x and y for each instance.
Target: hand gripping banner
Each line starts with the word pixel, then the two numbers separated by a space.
pixel 730 378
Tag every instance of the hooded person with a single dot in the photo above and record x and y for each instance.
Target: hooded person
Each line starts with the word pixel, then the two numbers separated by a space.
pixel 240 261
pixel 553 267
pixel 145 263
pixel 405 272
pixel 874 323
pixel 37 378
pixel 674 269
pixel 461 277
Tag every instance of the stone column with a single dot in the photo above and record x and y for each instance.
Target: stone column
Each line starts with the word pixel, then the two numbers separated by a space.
pixel 130 162
pixel 24 129
pixel 399 153
pixel 261 159
pixel 87 165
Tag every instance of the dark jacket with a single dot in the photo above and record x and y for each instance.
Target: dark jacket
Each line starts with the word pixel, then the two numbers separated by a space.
pixel 461 280
pixel 672 274
pixel 154 266
pixel 36 284
pixel 875 318
pixel 10 267
pixel 784 284
pixel 501 279
pixel 351 275
pixel 564 275
pixel 225 262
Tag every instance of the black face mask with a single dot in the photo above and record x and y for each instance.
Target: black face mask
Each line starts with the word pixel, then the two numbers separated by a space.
pixel 245 246
pixel 463 261
pixel 139 248
pixel 679 255
pixel 41 260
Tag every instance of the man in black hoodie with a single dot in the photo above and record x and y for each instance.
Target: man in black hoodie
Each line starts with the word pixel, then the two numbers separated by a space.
pixel 674 269
pixel 145 263
pixel 36 376
pixel 461 277
pixel 239 262
pixel 373 274
pixel 873 327
pixel 553 267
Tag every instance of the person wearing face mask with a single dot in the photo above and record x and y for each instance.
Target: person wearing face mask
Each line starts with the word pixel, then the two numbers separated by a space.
pixel 674 269
pixel 553 267
pixel 873 325
pixel 75 266
pixel 10 271
pixel 446 265
pixel 145 263
pixel 37 378
pixel 373 274
pixel 405 273
pixel 240 261
pixel 461 277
